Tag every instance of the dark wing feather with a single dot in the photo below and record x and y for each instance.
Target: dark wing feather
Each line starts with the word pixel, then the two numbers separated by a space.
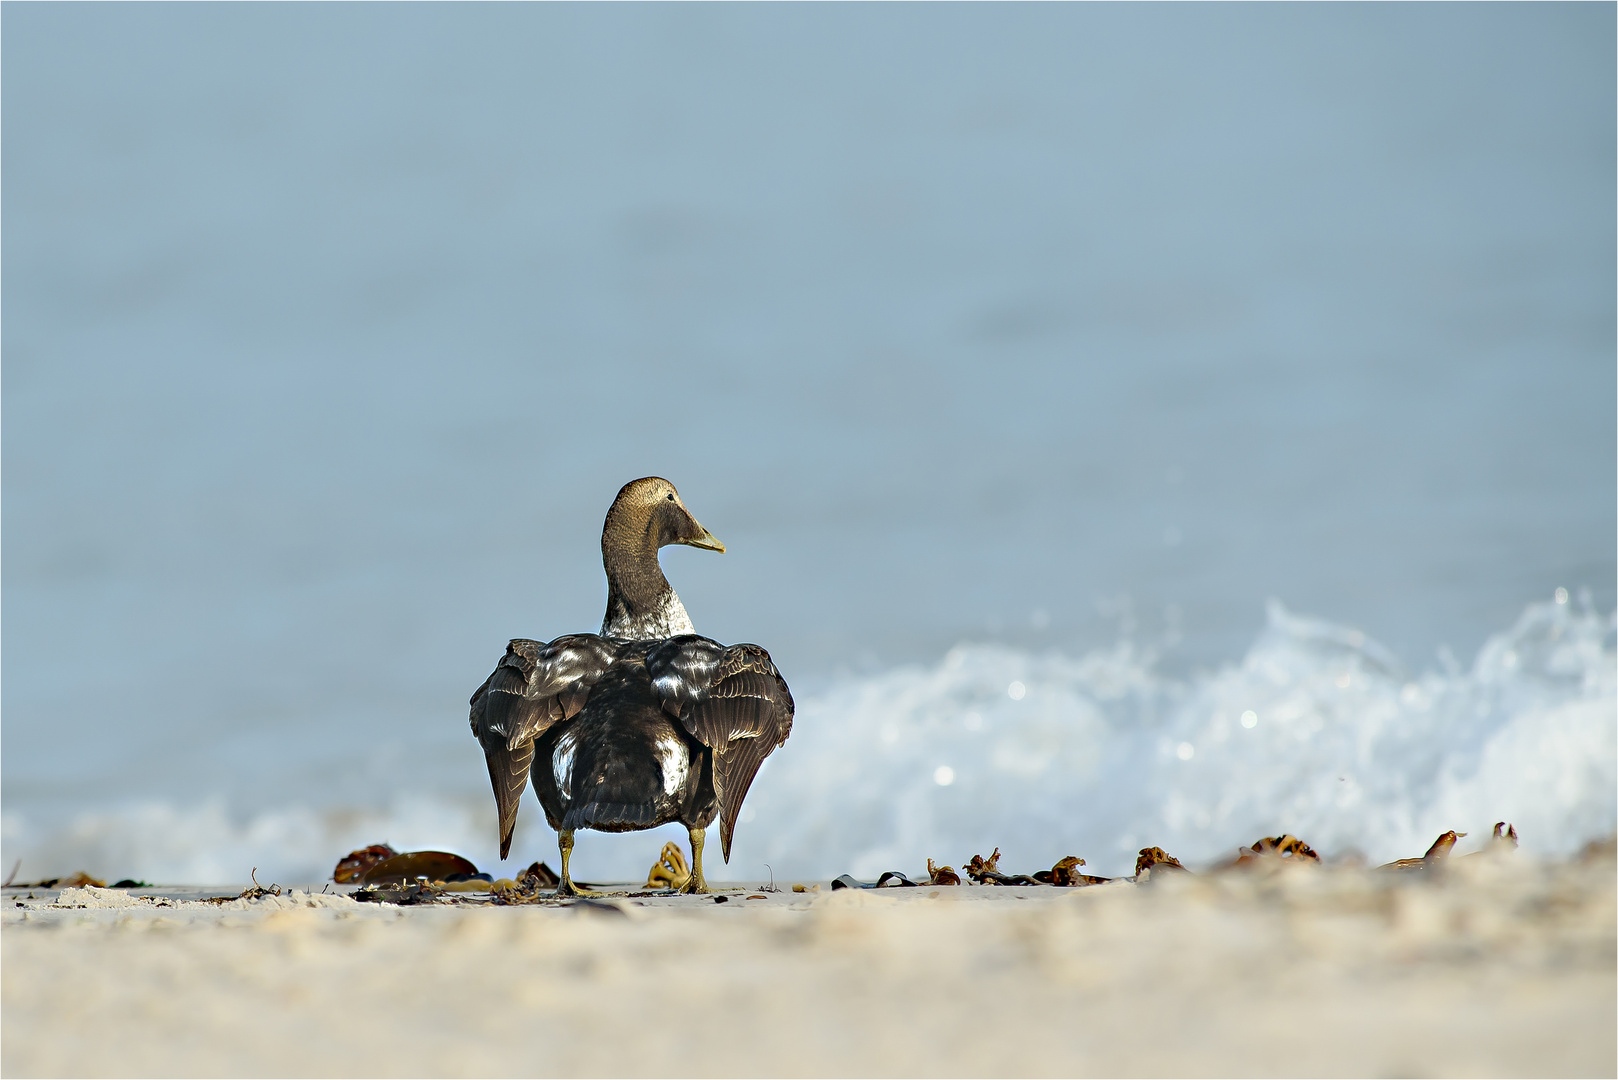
pixel 733 701
pixel 534 686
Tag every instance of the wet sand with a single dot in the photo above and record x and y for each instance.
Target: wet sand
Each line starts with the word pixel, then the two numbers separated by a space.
pixel 1494 967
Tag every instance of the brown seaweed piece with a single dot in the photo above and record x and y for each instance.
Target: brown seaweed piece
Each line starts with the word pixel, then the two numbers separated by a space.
pixel 506 891
pixel 352 867
pixel 979 867
pixel 540 876
pixel 1288 848
pixel 75 881
pixel 254 891
pixel 1065 874
pixel 1155 858
pixel 671 870
pixel 987 872
pixel 405 894
pixel 942 875
pixel 432 865
pixel 1503 842
pixel 1430 861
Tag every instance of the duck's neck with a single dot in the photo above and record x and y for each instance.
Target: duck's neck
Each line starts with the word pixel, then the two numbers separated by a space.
pixel 641 604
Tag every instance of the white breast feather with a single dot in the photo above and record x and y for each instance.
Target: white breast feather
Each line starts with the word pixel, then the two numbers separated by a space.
pixel 665 621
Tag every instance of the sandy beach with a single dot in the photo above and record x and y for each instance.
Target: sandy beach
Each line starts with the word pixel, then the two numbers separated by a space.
pixel 1492 967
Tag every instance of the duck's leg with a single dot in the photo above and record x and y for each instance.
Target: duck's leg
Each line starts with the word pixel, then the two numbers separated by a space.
pixel 697 884
pixel 564 840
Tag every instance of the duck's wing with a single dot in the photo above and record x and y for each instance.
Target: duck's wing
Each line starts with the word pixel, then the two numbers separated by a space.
pixel 733 701
pixel 534 686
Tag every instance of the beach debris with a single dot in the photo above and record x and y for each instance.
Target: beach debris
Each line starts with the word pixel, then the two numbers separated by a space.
pixel 1430 861
pixel 1156 859
pixel 254 891
pixel 800 887
pixel 539 875
pixel 74 881
pixel 131 883
pixel 506 891
pixel 979 866
pixel 13 875
pixel 721 899
pixel 890 879
pixel 987 872
pixel 418 865
pixel 403 894
pixel 758 896
pixel 1287 848
pixel 771 886
pixel 352 867
pixel 1503 842
pixel 1065 874
pixel 671 870
pixel 534 884
pixel 942 875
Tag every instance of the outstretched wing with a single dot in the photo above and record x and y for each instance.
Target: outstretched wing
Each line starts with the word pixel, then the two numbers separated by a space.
pixel 534 686
pixel 732 700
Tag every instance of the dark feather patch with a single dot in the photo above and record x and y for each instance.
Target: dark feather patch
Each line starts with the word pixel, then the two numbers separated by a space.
pixel 610 817
pixel 733 701
pixel 508 775
pixel 534 686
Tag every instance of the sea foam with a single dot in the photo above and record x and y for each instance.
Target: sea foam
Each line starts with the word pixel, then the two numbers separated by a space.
pixel 1318 731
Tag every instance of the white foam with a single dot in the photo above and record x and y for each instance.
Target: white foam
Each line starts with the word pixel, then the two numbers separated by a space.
pixel 1101 755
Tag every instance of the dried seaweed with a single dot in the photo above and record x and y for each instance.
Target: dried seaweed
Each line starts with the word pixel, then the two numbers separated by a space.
pixel 987 872
pixel 1156 859
pixel 1287 848
pixel 404 895
pixel 540 876
pixel 984 871
pixel 254 891
pixel 75 881
pixel 942 875
pixel 670 871
pixel 1065 874
pixel 419 865
pixel 1503 842
pixel 890 879
pixel 1433 859
pixel 352 867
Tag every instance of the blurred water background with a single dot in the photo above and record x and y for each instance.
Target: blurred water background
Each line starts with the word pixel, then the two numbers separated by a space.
pixel 1072 385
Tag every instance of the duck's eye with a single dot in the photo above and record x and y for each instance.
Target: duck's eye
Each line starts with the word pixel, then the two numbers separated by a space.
pixel 671 496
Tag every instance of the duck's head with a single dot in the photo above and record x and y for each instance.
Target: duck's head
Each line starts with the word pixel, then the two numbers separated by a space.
pixel 648 514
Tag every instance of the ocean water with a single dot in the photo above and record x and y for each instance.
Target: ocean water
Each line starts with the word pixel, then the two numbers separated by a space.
pixel 1017 344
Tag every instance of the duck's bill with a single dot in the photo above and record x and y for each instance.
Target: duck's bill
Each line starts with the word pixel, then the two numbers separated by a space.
pixel 706 540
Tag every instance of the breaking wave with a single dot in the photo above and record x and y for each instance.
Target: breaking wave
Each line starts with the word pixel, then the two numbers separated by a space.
pixel 1317 731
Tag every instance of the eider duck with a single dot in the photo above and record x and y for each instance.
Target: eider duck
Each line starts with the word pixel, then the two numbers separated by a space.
pixel 642 724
